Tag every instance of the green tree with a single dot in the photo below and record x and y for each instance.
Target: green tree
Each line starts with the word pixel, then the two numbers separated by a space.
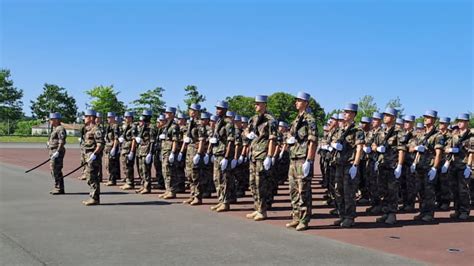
pixel 24 126
pixel 54 99
pixel 242 105
pixel 396 103
pixel 193 96
pixel 104 99
pixel 151 100
pixel 282 106
pixel 10 98
pixel 367 107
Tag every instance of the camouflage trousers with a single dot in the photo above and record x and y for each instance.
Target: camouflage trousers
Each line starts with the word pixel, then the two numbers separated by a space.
pixel 391 186
pixel 56 166
pixel 92 175
pixel 443 189
pixel 100 173
pixel 181 174
pixel 300 191
pixel 346 189
pixel 426 191
pixel 375 191
pixel 169 172
pixel 193 172
pixel 461 189
pixel 364 179
pixel 331 182
pixel 112 165
pixel 158 169
pixel 241 176
pixel 145 172
pixel 223 180
pixel 127 168
pixel 260 185
pixel 207 173
pixel 408 186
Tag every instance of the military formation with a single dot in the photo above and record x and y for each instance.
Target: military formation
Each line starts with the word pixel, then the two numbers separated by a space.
pixel 384 162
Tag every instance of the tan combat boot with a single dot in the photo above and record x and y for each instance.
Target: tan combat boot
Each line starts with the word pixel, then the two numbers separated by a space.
pixel 260 216
pixel 170 195
pixel 110 184
pixel 90 202
pixel 302 227
pixel 145 191
pixel 195 202
pixel 127 187
pixel 215 207
pixel 188 201
pixel 292 224
pixel 251 215
pixel 223 208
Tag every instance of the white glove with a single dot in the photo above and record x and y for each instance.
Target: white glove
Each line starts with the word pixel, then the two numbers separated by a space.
pixel 420 148
pixel 445 167
pixel 130 156
pixel 325 147
pixel 467 172
pixel 196 159
pixel 353 171
pixel 162 136
pixel 138 140
pixel 148 158
pixel 367 150
pixel 78 139
pixel 330 148
pixel 336 145
pixel 381 149
pixel 291 140
pixel 187 140
pixel 213 158
pixel 267 163
pixel 241 159
pixel 206 158
pixel 171 158
pixel 453 150
pixel 273 160
pixel 180 156
pixel 306 168
pixel 413 168
pixel 55 155
pixel 376 166
pixel 112 152
pixel 92 157
pixel 224 162
pixel 251 135
pixel 121 139
pixel 281 154
pixel 398 171
pixel 432 174
pixel 213 140
pixel 233 163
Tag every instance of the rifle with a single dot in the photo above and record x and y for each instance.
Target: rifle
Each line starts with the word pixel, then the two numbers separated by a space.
pixel 423 142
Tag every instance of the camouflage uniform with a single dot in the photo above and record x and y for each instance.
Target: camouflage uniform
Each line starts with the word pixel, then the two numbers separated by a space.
pixel 283 164
pixel 92 138
pixel 147 135
pixel 304 130
pixel 112 163
pixel 408 179
pixel 99 156
pixel 261 181
pixel 157 160
pixel 331 166
pixel 375 190
pixel 323 165
pixel 129 131
pixel 195 133
pixel 240 171
pixel 56 138
pixel 444 195
pixel 169 134
pixel 180 166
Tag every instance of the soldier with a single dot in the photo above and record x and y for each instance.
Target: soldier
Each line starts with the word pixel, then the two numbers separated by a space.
pixel 146 143
pixel 363 171
pixel 100 125
pixel 444 195
pixel 399 124
pixel 262 134
pixel 127 154
pixel 348 148
pixel 408 179
pixel 427 162
pixel 244 163
pixel 222 141
pixel 375 190
pixel 283 165
pixel 420 128
pixel 239 170
pixel 208 159
pixel 461 149
pixel 112 159
pixel 81 147
pixel 56 142
pixel 160 123
pixel 390 157
pixel 93 145
pixel 302 142
pixel 169 147
pixel 322 151
pixel 337 121
pixel 180 163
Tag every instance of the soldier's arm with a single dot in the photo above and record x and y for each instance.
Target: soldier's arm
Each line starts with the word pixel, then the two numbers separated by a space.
pixel 439 147
pixel 313 140
pixel 360 141
pixel 402 148
pixel 62 139
pixel 230 140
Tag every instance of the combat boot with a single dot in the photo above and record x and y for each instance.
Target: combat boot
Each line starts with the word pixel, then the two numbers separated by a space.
pixel 223 208
pixel 347 223
pixel 408 208
pixel 90 202
pixel 251 215
pixel 111 183
pixel 260 216
pixel 428 218
pixel 127 187
pixel 334 212
pixel 454 215
pixel 382 218
pixel 195 202
pixel 444 207
pixel 391 219
pixel 338 222
pixel 463 216
pixel 170 195
pixel 162 195
pixel 292 224
pixel 302 227
pixel 56 191
pixel 215 207
pixel 139 190
pixel 145 191
pixel 188 201
pixel 418 217
pixel 374 209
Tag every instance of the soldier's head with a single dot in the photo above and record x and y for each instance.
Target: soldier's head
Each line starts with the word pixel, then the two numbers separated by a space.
pixel 98 118
pixel 408 122
pixel 420 128
pixel 463 121
pixel 430 117
pixel 54 119
pixel 90 117
pixel 194 110
pixel 221 108
pixel 181 119
pixel 261 103
pixel 444 123
pixel 376 120
pixel 111 118
pixel 282 126
pixel 170 113
pixel 238 121
pixel 350 112
pixel 161 120
pixel 389 116
pixel 213 120
pixel 365 123
pixel 205 119
pixel 302 101
pixel 245 122
pixel 128 116
pixel 146 114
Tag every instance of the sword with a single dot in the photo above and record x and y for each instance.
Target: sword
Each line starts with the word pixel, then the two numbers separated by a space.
pixel 79 167
pixel 49 159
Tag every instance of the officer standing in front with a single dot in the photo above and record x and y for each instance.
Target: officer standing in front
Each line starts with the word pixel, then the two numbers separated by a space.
pixel 56 142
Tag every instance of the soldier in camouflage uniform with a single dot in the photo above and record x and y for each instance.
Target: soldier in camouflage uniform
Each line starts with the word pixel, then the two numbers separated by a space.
pixel 461 152
pixel 169 147
pixel 302 143
pixel 208 164
pixel 244 162
pixel 127 154
pixel 322 152
pixel 56 142
pixel 363 173
pixel 81 148
pixel 375 190
pixel 427 162
pixel 408 179
pixel 146 143
pixel 93 145
pixel 262 133
pixel 444 195
pixel 161 122
pixel 281 152
pixel 391 154
pixel 112 159
pixel 348 146
pixel 222 141
pixel 180 162
pixel 100 125
pixel 337 122
pixel 239 170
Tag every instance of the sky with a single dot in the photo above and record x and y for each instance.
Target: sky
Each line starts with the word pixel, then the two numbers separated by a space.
pixel 338 51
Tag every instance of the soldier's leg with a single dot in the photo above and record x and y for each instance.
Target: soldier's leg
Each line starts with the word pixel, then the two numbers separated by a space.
pixel 391 197
pixel 350 189
pixel 339 191
pixel 228 186
pixel 463 193
pixel 261 187
pixel 305 195
pixel 217 178
pixel 445 195
pixel 196 182
pixel 375 199
pixel 294 193
pixel 428 195
pixel 363 184
pixel 253 184
pixel 92 174
pixel 114 164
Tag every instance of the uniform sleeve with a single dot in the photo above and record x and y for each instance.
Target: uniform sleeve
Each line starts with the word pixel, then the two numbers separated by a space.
pixel 98 137
pixel 229 128
pixel 471 142
pixel 175 133
pixel 312 129
pixel 272 128
pixel 116 132
pixel 401 139
pixel 202 133
pixel 62 136
pixel 153 133
pixel 440 141
pixel 359 137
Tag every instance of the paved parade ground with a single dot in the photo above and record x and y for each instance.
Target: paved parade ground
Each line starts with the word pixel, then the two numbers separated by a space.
pixel 129 229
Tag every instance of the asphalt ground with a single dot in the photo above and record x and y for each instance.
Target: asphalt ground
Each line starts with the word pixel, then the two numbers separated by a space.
pixel 127 228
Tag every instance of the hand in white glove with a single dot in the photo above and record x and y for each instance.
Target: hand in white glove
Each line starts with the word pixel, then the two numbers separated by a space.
pixel 213 158
pixel 413 168
pixel 420 148
pixel 353 171
pixel 112 152
pixel 432 174
pixel 445 167
pixel 324 147
pixel 330 148
pixel 171 158
pixel 224 162
pixel 273 160
pixel 381 149
pixel 206 158
pixel 121 139
pixel 187 140
pixel 213 140
pixel 336 145
pixel 376 166
pixel 148 158
pixel 398 171
pixel 138 140
pixel 267 163
pixel 306 168
pixel 180 156
pixel 291 140
pixel 453 150
pixel 467 172
pixel 92 157
pixel 196 159
pixel 233 163
pixel 55 155
pixel 251 135
pixel 130 156
pixel 367 150
pixel 162 136
pixel 241 159
pixel 280 156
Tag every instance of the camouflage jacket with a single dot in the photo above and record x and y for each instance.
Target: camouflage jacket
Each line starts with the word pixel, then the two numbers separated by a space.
pixel 264 126
pixel 349 136
pixel 92 138
pixel 432 141
pixel 112 133
pixel 224 133
pixel 57 136
pixel 465 143
pixel 129 131
pixel 304 130
pixel 390 138
pixel 148 136
pixel 169 133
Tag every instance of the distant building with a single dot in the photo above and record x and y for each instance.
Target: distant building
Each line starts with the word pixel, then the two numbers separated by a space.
pixel 44 129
